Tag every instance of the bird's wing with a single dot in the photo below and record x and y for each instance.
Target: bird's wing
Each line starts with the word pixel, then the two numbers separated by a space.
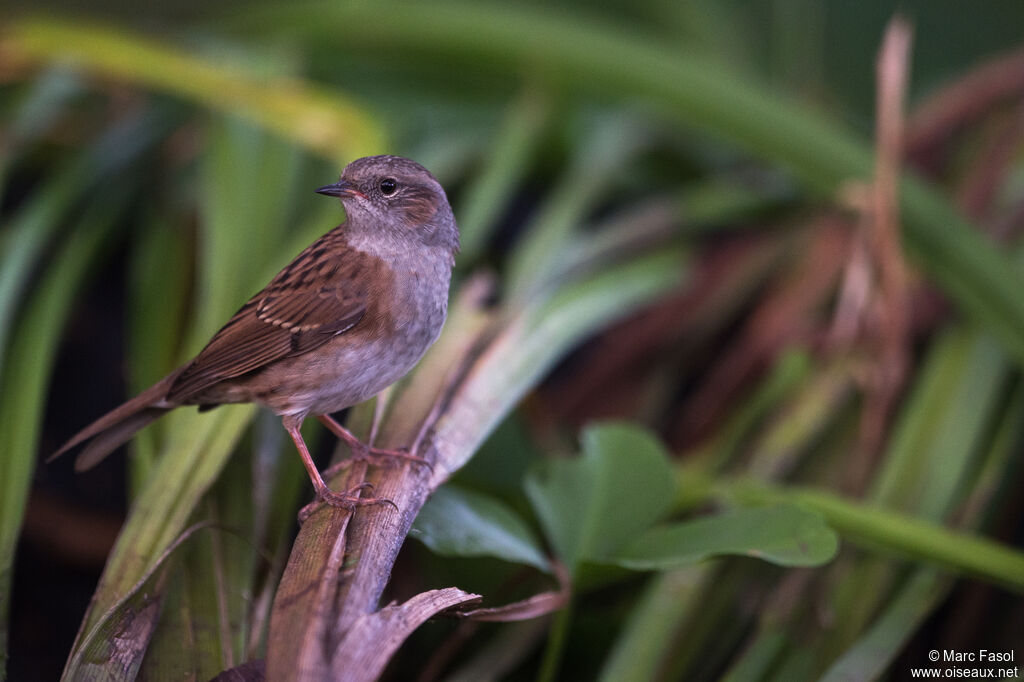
pixel 323 292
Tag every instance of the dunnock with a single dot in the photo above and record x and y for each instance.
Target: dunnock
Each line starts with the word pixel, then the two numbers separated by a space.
pixel 347 318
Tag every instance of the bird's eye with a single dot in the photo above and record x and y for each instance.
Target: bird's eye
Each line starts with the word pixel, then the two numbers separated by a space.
pixel 388 186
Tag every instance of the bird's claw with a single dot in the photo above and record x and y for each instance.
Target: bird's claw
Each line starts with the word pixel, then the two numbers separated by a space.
pixel 377 456
pixel 401 454
pixel 350 499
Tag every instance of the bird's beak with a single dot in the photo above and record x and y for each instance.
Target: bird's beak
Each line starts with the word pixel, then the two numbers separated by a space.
pixel 342 188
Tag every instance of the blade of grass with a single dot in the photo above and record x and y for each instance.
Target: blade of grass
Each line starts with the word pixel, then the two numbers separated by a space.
pixel 815 403
pixel 873 652
pixel 35 113
pixel 950 410
pixel 946 420
pixel 607 144
pixel 537 336
pixel 321 120
pixel 791 371
pixel 115 646
pixel 170 654
pixel 711 629
pixel 190 639
pixel 206 632
pixel 713 204
pixel 585 54
pixel 197 446
pixel 159 279
pixel 802 418
pixel 499 658
pixel 248 182
pixel 278 481
pixel 190 461
pixel 514 145
pixel 951 407
pixel 756 661
pixel 24 239
pixel 647 636
pixel 907 610
pixel 29 362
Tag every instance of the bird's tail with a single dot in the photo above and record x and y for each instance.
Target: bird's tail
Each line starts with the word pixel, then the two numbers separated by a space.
pixel 118 426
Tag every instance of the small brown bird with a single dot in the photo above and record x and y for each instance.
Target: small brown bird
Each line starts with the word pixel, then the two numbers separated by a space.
pixel 340 323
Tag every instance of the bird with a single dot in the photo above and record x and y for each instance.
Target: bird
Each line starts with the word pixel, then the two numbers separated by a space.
pixel 348 317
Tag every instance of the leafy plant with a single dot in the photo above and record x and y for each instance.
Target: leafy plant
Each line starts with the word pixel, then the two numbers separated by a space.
pixel 656 228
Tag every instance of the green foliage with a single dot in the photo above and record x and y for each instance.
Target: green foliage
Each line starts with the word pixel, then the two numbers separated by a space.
pixel 590 506
pixel 602 507
pixel 21 403
pixel 584 53
pixel 458 522
pixel 321 121
pixel 787 536
pixel 598 158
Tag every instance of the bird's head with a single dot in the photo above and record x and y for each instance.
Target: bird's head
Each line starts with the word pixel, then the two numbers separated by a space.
pixel 394 198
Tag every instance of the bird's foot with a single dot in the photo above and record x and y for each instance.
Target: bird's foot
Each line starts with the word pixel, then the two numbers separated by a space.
pixel 361 452
pixel 376 456
pixel 350 499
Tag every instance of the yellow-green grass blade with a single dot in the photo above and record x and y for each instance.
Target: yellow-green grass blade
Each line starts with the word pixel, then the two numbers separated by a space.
pixel 605 147
pixel 29 362
pixel 240 238
pixel 917 598
pixel 316 118
pixel 27 233
pixel 515 143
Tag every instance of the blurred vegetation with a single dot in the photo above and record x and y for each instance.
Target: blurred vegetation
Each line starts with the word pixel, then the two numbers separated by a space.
pixel 695 355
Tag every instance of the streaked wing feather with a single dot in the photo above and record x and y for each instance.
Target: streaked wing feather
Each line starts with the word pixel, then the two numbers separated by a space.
pixel 318 295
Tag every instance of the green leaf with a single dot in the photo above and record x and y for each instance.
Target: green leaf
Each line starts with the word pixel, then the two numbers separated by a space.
pixel 318 119
pixel 489 194
pixel 196 446
pixel 29 363
pixel 34 113
pixel 648 635
pixel 25 236
pixel 946 418
pixel 539 335
pixel 460 522
pixel 787 536
pixel 606 147
pixel 248 180
pixel 118 639
pixel 591 505
pixel 903 615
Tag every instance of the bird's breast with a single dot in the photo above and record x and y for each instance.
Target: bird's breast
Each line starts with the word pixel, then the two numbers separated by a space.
pixel 403 319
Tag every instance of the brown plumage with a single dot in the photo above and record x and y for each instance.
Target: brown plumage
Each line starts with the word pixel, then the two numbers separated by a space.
pixel 323 292
pixel 346 318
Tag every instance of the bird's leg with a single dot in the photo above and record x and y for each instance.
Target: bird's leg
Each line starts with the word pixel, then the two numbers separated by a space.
pixel 349 499
pixel 362 451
